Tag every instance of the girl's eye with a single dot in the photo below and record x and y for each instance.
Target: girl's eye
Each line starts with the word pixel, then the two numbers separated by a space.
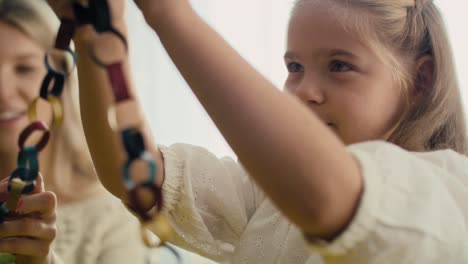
pixel 339 66
pixel 294 67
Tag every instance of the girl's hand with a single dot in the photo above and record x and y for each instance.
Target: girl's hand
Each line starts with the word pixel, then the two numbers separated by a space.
pixel 30 236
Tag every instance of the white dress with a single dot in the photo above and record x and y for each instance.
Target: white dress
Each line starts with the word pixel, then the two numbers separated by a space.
pixel 414 209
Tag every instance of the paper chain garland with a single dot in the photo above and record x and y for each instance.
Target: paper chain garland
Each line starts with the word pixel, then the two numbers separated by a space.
pixel 23 179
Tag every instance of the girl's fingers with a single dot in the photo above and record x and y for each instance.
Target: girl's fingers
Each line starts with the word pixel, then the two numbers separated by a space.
pixel 28 227
pixel 44 204
pixel 25 246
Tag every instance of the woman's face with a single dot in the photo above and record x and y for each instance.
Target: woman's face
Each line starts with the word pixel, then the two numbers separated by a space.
pixel 21 73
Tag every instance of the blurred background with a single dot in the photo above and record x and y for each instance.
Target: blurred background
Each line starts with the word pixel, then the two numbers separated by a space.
pixel 257 30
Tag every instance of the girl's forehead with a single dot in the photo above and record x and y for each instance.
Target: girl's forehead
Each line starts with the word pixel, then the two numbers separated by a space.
pixel 329 12
pixel 310 23
pixel 326 26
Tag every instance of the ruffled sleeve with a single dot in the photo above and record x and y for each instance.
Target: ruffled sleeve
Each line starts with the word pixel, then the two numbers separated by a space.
pixel 209 200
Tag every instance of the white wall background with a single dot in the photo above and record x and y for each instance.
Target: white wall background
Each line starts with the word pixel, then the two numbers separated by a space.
pixel 257 29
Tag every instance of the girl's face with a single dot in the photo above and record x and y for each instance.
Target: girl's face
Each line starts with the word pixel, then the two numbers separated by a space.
pixel 339 77
pixel 21 73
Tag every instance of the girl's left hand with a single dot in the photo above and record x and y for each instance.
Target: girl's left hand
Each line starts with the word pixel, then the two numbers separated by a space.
pixel 30 236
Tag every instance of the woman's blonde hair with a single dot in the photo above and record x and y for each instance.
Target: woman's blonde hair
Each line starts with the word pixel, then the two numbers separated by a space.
pixel 407 30
pixel 69 151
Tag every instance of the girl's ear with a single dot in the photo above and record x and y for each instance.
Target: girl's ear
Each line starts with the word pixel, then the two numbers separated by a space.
pixel 424 78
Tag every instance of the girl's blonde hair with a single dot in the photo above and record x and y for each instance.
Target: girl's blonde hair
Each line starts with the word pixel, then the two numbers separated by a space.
pixel 69 151
pixel 407 30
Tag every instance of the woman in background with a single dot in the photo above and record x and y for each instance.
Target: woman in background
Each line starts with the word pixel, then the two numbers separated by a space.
pixel 91 225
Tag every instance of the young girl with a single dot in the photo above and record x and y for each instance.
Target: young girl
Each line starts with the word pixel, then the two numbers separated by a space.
pixel 361 158
pixel 76 219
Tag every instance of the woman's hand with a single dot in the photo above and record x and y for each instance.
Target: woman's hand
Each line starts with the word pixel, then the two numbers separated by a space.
pixel 30 236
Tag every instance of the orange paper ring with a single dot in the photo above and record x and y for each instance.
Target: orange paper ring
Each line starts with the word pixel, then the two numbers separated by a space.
pixel 161 227
pixel 57 110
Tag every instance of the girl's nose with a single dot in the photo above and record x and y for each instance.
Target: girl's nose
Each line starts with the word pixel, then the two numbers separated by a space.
pixel 310 92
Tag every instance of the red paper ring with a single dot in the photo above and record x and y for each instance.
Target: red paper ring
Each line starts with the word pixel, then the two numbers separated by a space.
pixel 135 205
pixel 118 82
pixel 38 125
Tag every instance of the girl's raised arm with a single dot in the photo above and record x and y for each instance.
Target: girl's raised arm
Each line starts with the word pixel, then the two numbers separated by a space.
pixel 302 166
pixel 96 98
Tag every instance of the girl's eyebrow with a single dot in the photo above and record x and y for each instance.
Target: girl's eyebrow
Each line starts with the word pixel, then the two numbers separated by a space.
pixel 330 53
pixel 337 52
pixel 290 55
